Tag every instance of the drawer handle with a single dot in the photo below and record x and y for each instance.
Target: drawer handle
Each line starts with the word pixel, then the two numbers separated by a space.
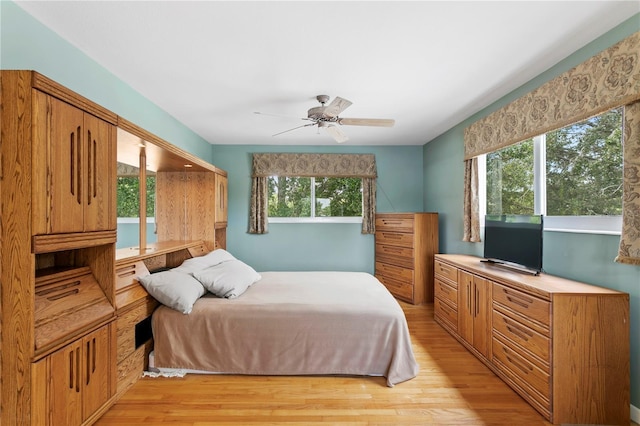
pixel 524 368
pixel 392 236
pixel 444 289
pixel 392 250
pixel 518 300
pixel 521 333
pixel 444 308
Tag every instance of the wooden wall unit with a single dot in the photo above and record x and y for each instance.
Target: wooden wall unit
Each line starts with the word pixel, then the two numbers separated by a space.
pixel 561 344
pixel 405 245
pixel 191 195
pixel 72 337
pixel 57 253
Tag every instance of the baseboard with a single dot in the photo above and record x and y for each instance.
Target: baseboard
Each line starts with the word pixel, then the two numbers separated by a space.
pixel 635 414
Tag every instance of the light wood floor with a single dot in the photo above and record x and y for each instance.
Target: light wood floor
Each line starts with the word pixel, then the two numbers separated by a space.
pixel 452 388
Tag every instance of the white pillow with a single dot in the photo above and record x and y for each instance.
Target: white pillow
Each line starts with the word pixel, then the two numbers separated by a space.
pixel 227 279
pixel 176 290
pixel 201 262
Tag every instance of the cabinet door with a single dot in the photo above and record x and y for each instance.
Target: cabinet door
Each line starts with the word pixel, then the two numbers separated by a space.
pixel 65 396
pixel 481 318
pixel 465 308
pixel 96 385
pixel 73 169
pixel 473 311
pixel 57 166
pixel 99 180
pixel 221 198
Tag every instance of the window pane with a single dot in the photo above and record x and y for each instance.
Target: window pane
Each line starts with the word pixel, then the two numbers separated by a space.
pixel 510 180
pixel 338 197
pixel 289 196
pixel 584 167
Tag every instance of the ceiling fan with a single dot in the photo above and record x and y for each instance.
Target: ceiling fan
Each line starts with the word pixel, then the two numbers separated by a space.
pixel 327 116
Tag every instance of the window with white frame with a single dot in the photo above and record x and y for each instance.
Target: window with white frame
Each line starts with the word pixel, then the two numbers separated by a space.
pixel 572 175
pixel 314 199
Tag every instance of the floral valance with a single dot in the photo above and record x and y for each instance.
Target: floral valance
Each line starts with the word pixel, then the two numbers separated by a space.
pixel 603 82
pixel 314 165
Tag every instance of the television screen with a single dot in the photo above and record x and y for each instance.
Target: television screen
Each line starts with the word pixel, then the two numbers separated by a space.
pixel 515 239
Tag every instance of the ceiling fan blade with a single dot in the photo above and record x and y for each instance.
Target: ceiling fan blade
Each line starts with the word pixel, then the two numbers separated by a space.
pixel 336 133
pixel 336 107
pixel 378 122
pixel 304 125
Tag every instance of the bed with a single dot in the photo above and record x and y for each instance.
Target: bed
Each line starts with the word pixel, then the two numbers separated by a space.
pixel 291 323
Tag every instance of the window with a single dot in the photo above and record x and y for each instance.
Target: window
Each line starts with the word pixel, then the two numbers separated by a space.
pixel 572 175
pixel 304 199
pixel 128 196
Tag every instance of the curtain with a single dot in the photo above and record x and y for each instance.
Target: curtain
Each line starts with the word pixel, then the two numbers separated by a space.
pixel 258 206
pixel 311 165
pixel 603 82
pixel 629 251
pixel 471 217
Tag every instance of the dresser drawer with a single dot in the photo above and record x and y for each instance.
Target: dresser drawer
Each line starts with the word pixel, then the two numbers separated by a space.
pixel 446 313
pixel 446 271
pixel 524 336
pixel 523 303
pixel 395 272
pixel 398 287
pixel 520 369
pixel 394 238
pixel 397 223
pixel 446 292
pixel 396 255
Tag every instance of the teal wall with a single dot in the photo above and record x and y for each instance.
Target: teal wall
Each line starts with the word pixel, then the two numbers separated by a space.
pixel 317 246
pixel 583 257
pixel 28 45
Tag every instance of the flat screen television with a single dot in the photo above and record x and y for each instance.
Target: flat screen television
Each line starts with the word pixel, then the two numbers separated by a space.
pixel 514 240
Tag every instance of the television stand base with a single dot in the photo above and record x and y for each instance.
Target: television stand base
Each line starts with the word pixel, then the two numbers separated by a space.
pixel 515 268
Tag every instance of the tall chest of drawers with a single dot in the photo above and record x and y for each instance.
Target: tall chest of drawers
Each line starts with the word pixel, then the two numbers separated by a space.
pixel 561 344
pixel 405 246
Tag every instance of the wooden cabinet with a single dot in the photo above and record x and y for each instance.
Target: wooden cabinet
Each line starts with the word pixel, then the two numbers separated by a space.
pixel 73 168
pixel 405 245
pixel 474 305
pixel 561 344
pixel 79 382
pixel 57 255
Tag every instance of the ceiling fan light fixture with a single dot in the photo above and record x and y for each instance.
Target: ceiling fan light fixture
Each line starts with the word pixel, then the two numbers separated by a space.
pixel 323 99
pixel 326 116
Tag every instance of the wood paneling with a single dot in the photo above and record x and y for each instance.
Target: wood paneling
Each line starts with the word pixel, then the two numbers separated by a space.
pixel 185 206
pixel 17 263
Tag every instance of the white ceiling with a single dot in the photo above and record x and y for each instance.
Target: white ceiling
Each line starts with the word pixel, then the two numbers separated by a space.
pixel 427 64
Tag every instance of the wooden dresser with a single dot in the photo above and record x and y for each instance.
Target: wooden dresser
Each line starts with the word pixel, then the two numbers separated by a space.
pixel 405 245
pixel 561 344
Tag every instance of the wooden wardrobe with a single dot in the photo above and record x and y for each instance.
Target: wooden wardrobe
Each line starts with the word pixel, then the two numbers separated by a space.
pixel 65 325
